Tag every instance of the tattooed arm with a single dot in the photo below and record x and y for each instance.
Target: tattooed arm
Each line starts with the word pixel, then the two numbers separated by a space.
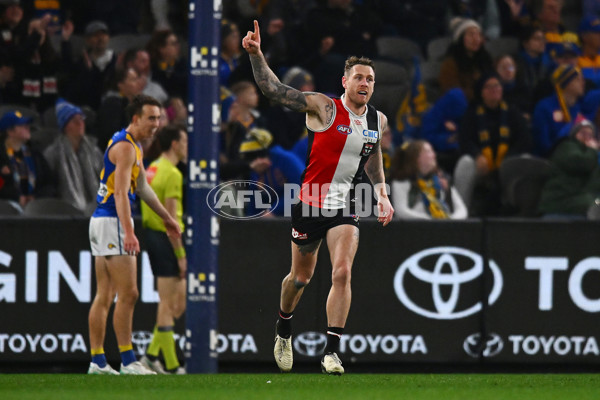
pixel 317 105
pixel 374 170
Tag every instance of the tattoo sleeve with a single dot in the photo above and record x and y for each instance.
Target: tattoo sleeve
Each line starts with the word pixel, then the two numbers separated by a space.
pixel 374 166
pixel 271 87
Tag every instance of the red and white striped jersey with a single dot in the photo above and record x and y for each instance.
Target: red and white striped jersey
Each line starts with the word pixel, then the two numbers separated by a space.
pixel 337 154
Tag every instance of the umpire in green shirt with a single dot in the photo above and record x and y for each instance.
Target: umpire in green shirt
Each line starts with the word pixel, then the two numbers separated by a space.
pixel 167 255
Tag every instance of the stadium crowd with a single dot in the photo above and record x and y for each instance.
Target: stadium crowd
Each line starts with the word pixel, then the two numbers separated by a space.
pixel 481 95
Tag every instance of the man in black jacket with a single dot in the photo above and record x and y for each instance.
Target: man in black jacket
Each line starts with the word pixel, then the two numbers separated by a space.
pixel 24 174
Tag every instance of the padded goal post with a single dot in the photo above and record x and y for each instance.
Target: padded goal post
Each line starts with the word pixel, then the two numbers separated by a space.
pixel 202 226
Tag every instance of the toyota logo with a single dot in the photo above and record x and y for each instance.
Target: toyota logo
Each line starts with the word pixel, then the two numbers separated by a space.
pixel 310 344
pixel 449 267
pixel 492 346
pixel 141 339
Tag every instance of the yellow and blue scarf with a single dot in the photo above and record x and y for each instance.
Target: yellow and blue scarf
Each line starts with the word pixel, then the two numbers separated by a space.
pixel 431 193
pixel 485 140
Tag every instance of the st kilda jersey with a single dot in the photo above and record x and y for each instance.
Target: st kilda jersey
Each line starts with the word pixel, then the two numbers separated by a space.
pixel 337 155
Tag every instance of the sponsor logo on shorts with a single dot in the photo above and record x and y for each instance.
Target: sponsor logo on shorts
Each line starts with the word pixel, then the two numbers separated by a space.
pixel 111 246
pixel 345 129
pixel 355 217
pixel 298 235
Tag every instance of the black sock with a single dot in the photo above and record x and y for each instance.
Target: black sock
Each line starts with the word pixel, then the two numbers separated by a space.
pixel 284 324
pixel 333 339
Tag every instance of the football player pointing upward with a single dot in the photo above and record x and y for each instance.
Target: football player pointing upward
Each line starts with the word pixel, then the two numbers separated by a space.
pixel 344 141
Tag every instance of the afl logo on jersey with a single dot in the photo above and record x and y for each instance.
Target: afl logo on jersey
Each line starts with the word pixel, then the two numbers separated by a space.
pixel 345 129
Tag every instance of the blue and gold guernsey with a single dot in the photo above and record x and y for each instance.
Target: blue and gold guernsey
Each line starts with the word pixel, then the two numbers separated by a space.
pixel 105 199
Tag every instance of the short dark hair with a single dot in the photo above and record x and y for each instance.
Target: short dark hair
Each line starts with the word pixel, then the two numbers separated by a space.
pixel 131 54
pixel 527 31
pixel 137 105
pixel 120 76
pixel 353 60
pixel 168 134
pixel 537 5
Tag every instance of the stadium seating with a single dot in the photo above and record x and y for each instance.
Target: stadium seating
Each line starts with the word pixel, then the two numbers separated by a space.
pixel 120 43
pixel 43 137
pixel 436 48
pixel 77 44
pixel 50 207
pixel 391 85
pixel 522 179
pixel 10 208
pixel 464 178
pixel 398 48
pixel 502 45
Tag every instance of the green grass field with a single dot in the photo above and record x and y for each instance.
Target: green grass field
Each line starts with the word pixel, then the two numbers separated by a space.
pixel 302 386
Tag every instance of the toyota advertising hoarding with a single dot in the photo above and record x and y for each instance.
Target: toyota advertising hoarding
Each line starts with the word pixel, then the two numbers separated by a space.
pixel 456 293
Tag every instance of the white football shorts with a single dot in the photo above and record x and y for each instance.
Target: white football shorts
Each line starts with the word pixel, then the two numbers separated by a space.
pixel 106 236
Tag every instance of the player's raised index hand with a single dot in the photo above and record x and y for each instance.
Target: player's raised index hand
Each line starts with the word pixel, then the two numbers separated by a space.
pixel 251 42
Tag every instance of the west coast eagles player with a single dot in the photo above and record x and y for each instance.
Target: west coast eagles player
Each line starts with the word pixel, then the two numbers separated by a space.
pixel 112 236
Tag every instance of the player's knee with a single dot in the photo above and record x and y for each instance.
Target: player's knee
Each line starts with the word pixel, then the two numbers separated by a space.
pixel 300 282
pixel 128 296
pixel 104 300
pixel 342 275
pixel 177 309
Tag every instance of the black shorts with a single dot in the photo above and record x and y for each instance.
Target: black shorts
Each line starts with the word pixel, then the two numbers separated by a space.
pixel 309 224
pixel 161 254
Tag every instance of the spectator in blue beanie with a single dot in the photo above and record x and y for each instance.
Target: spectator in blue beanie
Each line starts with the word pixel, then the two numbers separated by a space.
pixel 553 113
pixel 74 159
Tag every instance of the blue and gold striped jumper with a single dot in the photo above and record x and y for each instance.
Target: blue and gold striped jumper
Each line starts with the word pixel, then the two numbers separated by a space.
pixel 105 199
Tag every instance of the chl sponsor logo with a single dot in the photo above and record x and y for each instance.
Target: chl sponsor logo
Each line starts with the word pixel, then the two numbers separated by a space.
pixel 475 346
pixel 345 129
pixel 444 268
pixel 370 136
